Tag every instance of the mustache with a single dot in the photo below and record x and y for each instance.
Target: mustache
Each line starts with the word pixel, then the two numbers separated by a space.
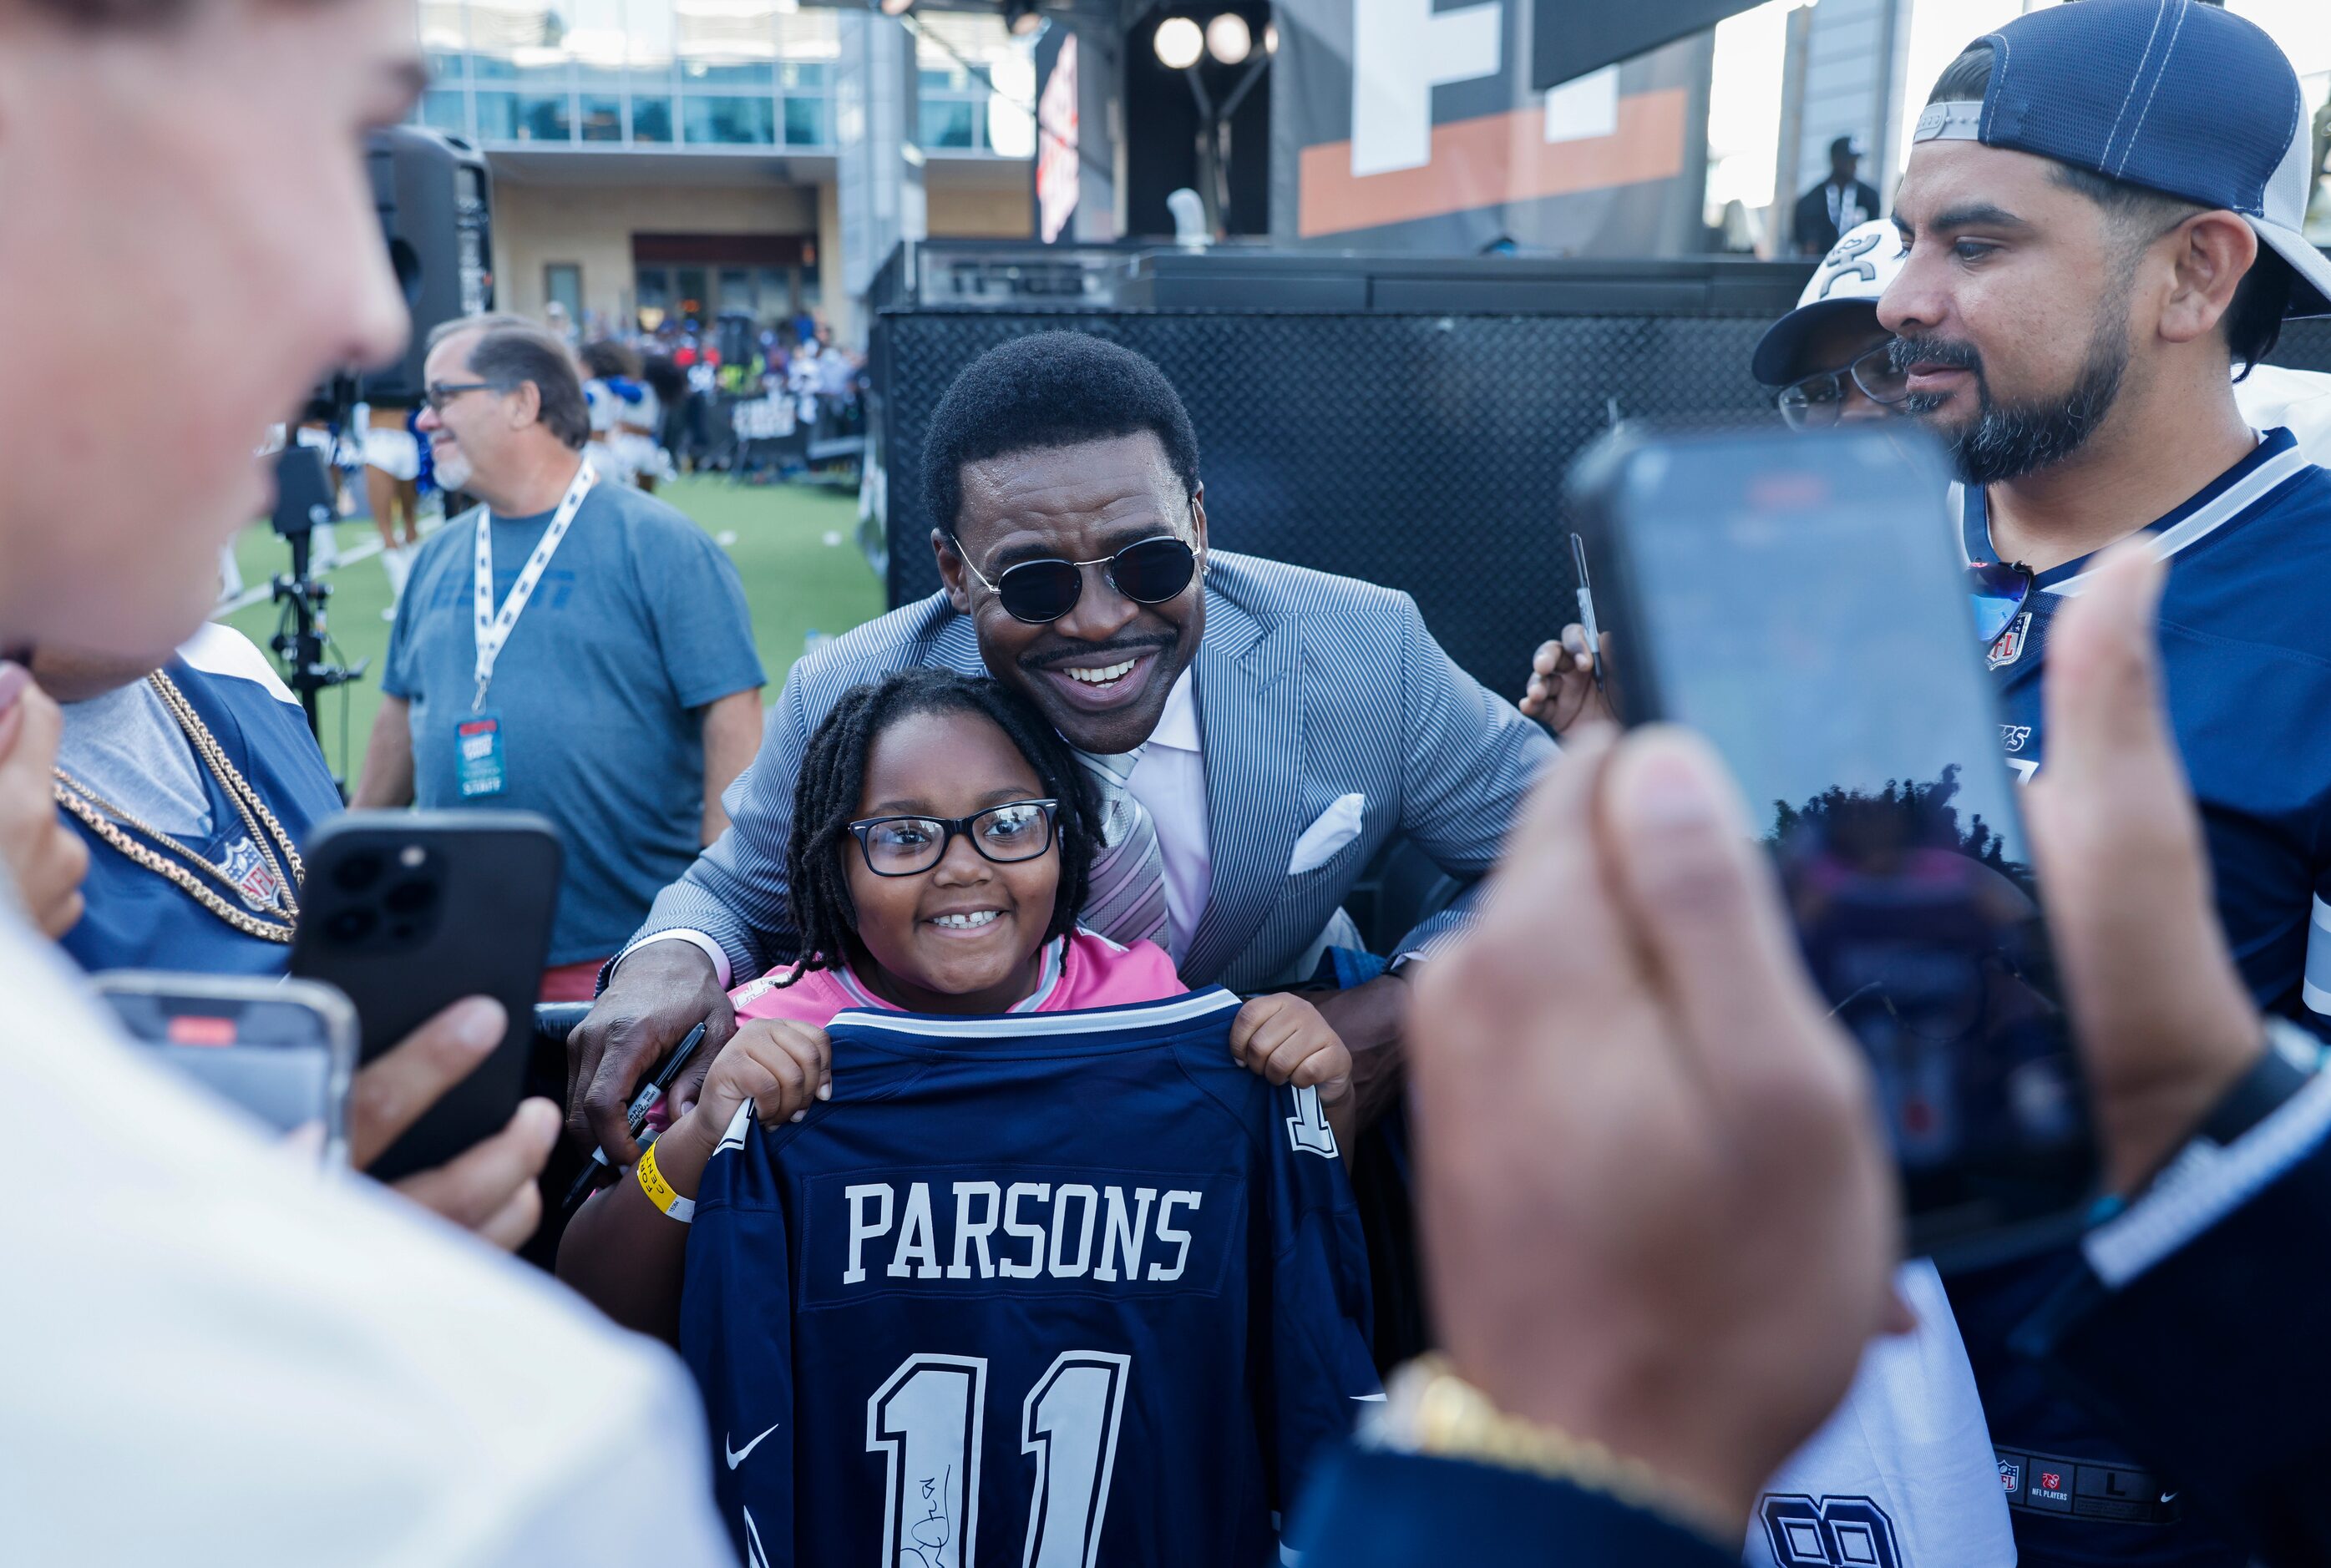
pixel 1085 653
pixel 1909 351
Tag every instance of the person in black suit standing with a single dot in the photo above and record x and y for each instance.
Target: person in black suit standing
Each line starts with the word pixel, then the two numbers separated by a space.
pixel 1840 204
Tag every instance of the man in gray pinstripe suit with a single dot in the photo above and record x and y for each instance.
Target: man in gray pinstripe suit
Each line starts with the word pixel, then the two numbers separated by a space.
pixel 1258 732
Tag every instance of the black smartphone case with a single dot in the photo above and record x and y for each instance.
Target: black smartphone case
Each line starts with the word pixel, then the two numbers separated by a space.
pixel 407 912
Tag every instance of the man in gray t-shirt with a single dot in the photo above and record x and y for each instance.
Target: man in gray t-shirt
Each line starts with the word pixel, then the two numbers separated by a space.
pixel 612 686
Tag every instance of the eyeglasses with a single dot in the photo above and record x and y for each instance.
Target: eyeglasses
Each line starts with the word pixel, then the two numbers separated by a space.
pixel 438 394
pixel 2000 593
pixel 1147 572
pixel 1815 402
pixel 903 846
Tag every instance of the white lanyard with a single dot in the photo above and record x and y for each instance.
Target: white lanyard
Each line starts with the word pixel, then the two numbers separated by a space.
pixel 494 629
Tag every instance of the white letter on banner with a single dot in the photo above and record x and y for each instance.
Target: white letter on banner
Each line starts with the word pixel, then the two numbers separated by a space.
pixel 1401 51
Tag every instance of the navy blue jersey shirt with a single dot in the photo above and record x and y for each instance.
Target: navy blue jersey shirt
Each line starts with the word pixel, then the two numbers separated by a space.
pixel 1039 1291
pixel 2246 657
pixel 135 919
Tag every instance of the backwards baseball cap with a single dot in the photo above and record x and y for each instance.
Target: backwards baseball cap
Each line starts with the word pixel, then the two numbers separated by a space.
pixel 2176 95
pixel 1849 279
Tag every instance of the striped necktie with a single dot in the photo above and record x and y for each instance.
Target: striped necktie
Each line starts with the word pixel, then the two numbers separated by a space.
pixel 1126 903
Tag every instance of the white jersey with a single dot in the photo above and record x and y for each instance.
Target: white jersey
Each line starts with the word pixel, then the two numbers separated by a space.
pixel 216 1357
pixel 2297 400
pixel 1902 1474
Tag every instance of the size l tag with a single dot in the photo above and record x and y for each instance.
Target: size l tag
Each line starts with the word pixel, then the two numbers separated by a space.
pixel 2008 647
pixel 478 768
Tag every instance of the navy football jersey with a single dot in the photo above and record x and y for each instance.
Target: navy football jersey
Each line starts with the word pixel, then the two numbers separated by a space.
pixel 2246 657
pixel 1040 1291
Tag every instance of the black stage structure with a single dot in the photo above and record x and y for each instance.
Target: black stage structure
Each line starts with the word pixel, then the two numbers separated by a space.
pixel 1406 420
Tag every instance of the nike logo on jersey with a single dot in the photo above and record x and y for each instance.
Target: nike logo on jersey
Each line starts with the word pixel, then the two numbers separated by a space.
pixel 737 1455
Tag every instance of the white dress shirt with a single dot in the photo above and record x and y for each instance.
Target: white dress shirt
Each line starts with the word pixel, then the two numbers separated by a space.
pixel 1170 783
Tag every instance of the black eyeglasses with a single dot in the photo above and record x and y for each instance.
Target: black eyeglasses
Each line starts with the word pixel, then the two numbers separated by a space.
pixel 438 394
pixel 903 846
pixel 2000 593
pixel 1815 402
pixel 1147 572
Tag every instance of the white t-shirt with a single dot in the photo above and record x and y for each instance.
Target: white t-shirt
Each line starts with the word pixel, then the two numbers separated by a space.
pixel 212 1356
pixel 1903 1471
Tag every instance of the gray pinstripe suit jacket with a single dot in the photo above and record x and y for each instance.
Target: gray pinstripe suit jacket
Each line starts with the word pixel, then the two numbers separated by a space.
pixel 1310 687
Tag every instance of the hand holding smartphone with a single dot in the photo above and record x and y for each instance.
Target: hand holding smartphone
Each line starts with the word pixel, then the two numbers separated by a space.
pixel 1797 599
pixel 408 912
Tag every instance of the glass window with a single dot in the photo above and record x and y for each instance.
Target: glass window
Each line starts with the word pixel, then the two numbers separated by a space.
pixel 805 122
pixel 445 108
pixel 651 119
pixel 445 66
pixel 736 290
pixel 751 121
pixel 491 67
pixel 653 288
pixel 777 293
pixel 698 73
pixel 544 117
pixel 562 284
pixel 498 116
pixel 797 76
pixel 688 283
pixel 602 118
pixel 947 124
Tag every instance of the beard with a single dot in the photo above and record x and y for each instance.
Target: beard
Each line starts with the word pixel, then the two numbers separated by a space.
pixel 451 469
pixel 2006 440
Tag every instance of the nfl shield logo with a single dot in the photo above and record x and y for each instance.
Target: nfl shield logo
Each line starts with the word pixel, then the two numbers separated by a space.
pixel 2011 1477
pixel 248 870
pixel 2008 647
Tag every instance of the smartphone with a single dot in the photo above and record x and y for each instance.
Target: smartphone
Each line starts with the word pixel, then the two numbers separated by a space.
pixel 1797 598
pixel 285 1050
pixel 408 912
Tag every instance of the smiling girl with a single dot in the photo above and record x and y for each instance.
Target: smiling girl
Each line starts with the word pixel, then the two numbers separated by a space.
pixel 943 841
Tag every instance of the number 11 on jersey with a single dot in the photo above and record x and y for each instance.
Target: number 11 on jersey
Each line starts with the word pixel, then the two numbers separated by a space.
pixel 926 1418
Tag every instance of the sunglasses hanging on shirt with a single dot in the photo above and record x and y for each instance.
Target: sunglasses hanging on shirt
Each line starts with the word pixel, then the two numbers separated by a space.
pixel 1999 594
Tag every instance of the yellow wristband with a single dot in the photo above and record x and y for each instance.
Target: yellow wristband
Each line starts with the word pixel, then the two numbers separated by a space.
pixel 659 1192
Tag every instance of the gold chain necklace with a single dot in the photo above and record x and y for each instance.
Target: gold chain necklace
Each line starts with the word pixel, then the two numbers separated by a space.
pixel 108 821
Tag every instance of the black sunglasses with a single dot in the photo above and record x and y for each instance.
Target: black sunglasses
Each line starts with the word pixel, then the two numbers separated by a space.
pixel 1999 594
pixel 1147 572
pixel 905 846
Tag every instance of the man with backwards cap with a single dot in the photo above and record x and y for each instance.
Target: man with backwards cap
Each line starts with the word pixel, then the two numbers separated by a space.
pixel 2101 220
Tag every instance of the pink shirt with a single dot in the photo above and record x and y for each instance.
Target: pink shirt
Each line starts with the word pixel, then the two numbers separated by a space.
pixel 1086 969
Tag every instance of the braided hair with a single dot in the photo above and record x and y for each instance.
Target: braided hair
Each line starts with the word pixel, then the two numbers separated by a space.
pixel 832 779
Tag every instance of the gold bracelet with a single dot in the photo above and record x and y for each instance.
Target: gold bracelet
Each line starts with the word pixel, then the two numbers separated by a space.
pixel 1432 1411
pixel 661 1192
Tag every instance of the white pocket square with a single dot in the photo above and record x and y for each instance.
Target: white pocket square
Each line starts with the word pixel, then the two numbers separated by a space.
pixel 1338 825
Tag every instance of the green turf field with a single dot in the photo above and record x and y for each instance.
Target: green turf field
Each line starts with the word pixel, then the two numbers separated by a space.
pixel 795 547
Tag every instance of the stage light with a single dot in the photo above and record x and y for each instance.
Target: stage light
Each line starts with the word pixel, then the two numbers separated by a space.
pixel 1179 43
pixel 1271 38
pixel 1228 38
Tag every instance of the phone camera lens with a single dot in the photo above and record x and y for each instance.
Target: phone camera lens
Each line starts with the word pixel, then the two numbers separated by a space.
pixel 350 926
pixel 409 898
pixel 357 872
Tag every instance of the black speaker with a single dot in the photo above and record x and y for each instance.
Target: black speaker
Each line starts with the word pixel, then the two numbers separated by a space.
pixel 435 198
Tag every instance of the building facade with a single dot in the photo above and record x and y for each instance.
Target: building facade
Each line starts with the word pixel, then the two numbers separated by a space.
pixel 660 160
